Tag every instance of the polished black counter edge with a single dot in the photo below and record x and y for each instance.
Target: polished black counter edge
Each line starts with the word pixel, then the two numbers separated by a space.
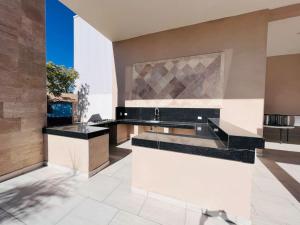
pixel 74 134
pixel 223 136
pixel 231 129
pixel 240 155
pixel 228 139
pixel 171 124
pixel 233 139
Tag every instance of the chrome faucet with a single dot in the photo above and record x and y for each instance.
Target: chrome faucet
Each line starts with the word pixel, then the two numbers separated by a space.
pixel 156 113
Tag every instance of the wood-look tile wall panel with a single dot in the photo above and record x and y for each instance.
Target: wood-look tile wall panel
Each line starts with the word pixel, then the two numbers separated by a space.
pixel 10 125
pixel 12 141
pixel 22 83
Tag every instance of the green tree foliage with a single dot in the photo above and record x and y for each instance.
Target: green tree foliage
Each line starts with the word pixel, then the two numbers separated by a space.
pixel 60 79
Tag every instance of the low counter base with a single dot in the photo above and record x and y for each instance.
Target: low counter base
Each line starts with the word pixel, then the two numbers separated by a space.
pixel 210 183
pixel 79 155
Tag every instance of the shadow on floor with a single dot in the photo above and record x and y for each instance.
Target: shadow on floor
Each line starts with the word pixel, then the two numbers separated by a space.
pixel 24 200
pixel 270 159
pixel 117 153
pixel 216 213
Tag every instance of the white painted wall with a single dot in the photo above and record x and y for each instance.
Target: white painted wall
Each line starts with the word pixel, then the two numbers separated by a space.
pixel 93 59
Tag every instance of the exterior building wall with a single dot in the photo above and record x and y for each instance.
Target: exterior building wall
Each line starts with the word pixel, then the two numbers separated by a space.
pixel 22 84
pixel 241 38
pixel 282 85
pixel 93 59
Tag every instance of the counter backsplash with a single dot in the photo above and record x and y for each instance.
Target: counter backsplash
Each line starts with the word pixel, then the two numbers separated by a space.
pixel 168 114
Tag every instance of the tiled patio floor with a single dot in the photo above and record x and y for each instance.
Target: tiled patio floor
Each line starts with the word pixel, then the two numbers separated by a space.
pixel 49 196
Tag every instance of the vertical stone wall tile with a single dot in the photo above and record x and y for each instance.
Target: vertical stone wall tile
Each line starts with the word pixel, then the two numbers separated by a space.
pixel 22 83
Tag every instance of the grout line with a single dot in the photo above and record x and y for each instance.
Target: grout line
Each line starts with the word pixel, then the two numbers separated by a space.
pixel 185 215
pixel 113 174
pixel 71 209
pixel 115 215
pixel 111 192
pixel 139 213
pixel 12 215
pixel 143 204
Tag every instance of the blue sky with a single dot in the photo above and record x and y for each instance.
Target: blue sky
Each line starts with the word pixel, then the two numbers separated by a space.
pixel 59 34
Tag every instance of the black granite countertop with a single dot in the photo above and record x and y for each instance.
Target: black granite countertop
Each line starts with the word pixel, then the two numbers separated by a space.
pixel 235 137
pixel 80 131
pixel 231 136
pixel 103 122
pixel 209 146
pixel 170 124
pixel 231 129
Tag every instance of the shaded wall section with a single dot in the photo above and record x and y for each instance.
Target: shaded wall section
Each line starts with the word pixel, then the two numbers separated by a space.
pixel 243 41
pixel 22 83
pixel 283 85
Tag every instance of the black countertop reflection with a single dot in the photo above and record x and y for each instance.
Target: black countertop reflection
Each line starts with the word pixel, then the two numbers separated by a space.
pixel 80 131
pixel 231 129
pixel 208 146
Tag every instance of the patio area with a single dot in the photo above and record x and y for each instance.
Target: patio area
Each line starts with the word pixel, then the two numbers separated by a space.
pixel 51 196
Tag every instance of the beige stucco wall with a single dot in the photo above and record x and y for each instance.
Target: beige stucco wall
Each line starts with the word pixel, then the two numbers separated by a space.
pixel 245 113
pixel 210 183
pixel 243 40
pixel 283 85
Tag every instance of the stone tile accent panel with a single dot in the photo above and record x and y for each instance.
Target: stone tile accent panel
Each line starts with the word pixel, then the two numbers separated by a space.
pixel 22 84
pixel 191 77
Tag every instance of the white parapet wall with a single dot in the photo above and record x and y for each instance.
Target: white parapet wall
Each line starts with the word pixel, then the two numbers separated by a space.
pixel 93 59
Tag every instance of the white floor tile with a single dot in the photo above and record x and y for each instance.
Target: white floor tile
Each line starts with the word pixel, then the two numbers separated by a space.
pixel 7 219
pixel 292 170
pixel 110 170
pixel 124 173
pixel 99 187
pixel 89 212
pixel 124 218
pixel 277 211
pixel 128 159
pixel 37 210
pixel 20 181
pixel 271 201
pixel 123 198
pixel 192 217
pixel 49 172
pixel 163 213
pixel 47 196
pixel 126 144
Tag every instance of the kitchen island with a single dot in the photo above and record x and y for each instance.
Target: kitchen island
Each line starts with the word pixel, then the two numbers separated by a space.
pixel 201 169
pixel 81 148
